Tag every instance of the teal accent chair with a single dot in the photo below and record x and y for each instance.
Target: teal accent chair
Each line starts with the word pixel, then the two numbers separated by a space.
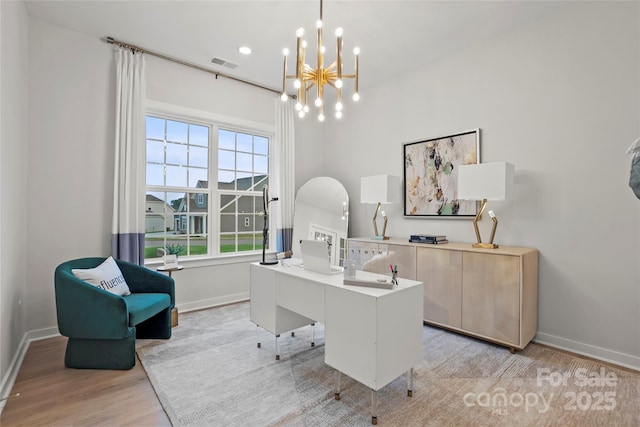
pixel 102 327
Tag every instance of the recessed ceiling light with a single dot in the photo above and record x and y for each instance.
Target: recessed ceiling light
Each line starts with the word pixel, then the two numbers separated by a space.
pixel 245 50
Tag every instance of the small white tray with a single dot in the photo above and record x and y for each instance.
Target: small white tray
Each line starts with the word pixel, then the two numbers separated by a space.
pixel 370 283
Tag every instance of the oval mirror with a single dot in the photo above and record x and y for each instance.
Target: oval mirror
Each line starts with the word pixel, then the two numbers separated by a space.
pixel 321 212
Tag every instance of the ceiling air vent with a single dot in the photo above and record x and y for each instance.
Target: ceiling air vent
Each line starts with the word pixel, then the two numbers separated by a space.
pixel 224 63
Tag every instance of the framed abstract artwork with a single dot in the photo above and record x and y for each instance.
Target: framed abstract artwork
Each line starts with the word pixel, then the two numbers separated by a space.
pixel 431 175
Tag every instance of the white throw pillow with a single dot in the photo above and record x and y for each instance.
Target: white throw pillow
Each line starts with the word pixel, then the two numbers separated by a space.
pixel 106 276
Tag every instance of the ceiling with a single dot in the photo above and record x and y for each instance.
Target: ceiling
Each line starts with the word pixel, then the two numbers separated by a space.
pixel 392 35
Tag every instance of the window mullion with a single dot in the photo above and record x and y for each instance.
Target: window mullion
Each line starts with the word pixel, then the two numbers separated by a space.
pixel 214 196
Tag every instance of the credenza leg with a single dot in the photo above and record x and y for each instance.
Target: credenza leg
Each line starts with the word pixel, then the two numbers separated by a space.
pixel 410 382
pixel 374 407
pixel 277 347
pixel 337 392
pixel 313 335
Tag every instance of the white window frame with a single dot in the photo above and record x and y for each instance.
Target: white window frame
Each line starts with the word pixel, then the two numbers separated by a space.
pixel 216 121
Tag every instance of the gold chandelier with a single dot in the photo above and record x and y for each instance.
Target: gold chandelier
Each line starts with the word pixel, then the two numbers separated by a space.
pixel 307 77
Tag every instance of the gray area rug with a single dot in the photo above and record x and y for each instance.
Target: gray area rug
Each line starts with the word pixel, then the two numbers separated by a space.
pixel 211 373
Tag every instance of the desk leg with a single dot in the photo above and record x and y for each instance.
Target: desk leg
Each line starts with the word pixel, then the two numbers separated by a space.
pixel 410 382
pixel 374 407
pixel 277 347
pixel 313 335
pixel 337 393
pixel 258 335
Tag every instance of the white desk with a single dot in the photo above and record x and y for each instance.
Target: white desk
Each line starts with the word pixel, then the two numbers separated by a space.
pixel 372 335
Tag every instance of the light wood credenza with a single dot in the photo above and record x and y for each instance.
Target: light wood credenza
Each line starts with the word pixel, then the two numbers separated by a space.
pixel 490 294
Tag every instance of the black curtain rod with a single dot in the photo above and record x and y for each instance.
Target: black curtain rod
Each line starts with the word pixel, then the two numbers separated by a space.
pixel 111 40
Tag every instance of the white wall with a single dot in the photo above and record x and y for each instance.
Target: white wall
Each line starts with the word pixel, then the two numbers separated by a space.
pixel 72 95
pixel 202 284
pixel 309 150
pixel 560 100
pixel 72 83
pixel 14 91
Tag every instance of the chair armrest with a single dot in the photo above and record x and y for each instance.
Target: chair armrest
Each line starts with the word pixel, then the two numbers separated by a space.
pixel 143 280
pixel 86 311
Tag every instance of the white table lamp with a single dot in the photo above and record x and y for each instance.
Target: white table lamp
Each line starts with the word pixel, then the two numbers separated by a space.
pixel 485 181
pixel 380 189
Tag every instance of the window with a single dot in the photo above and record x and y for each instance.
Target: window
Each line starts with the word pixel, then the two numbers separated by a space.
pixel 179 199
pixel 243 167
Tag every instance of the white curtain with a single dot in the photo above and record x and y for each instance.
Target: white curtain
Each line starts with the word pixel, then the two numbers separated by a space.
pixel 283 176
pixel 127 240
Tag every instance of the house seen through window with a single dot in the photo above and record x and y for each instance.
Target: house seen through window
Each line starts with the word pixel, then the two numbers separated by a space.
pixel 184 214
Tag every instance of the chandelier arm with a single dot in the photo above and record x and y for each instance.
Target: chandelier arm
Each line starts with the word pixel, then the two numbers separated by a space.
pixel 284 76
pixel 339 56
pixel 320 61
pixel 330 74
pixel 355 72
pixel 299 57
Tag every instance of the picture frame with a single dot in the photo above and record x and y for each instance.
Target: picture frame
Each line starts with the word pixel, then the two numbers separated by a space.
pixel 431 175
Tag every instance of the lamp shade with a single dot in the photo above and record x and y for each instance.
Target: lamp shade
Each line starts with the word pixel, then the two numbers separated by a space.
pixel 491 181
pixel 380 189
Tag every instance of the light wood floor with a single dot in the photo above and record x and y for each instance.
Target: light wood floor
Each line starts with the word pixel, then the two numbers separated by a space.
pixel 53 395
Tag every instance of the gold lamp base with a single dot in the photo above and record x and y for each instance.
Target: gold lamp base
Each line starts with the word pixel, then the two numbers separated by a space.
pixel 377 236
pixel 485 245
pixel 479 244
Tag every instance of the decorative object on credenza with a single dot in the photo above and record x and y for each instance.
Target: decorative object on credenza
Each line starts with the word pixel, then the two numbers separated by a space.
pixel 430 175
pixel 428 239
pixel 634 177
pixel 306 77
pixel 265 229
pixel 378 190
pixel 485 181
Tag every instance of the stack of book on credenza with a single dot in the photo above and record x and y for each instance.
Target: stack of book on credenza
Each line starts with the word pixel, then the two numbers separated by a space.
pixel 428 238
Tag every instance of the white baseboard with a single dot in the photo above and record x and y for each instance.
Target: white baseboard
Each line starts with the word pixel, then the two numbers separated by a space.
pixel 213 302
pixel 12 373
pixel 621 359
